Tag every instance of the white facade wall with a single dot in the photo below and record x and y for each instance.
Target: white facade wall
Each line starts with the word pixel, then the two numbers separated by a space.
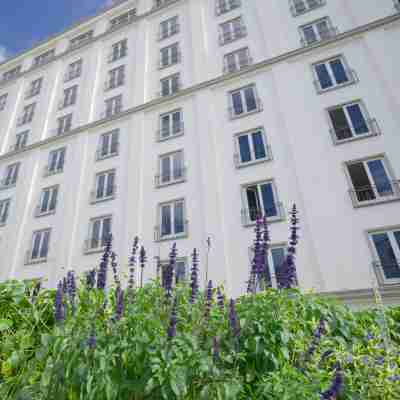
pixel 335 254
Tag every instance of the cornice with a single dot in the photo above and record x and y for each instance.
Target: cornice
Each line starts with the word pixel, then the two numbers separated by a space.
pixel 212 82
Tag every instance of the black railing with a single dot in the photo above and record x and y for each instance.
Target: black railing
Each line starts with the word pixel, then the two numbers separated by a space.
pixel 375 194
pixel 342 134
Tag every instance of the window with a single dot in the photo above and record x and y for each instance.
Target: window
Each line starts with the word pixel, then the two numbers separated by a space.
pixel 69 97
pixel 260 199
pixel 20 141
pixel 40 246
pixel 171 124
pixel 317 31
pixel 397 5
pixel 3 101
pixel 11 175
pixel 237 60
pixel 232 30
pixel 171 169
pixel 113 106
pixel 170 55
pixel 169 27
pixel 179 273
pixel 302 6
pixel 116 77
pixel 172 220
pixel 118 50
pixel 4 211
pixel 386 247
pixel 64 124
pixel 105 186
pixel 122 19
pixel 244 101
pixel 332 73
pixel 43 58
pixel 170 85
pixel 159 3
pixel 371 182
pixel 34 88
pixel 99 232
pixel 12 73
pixel 223 6
pixel 251 147
pixel 81 39
pixel 48 201
pixel 350 121
pixel 74 70
pixel 27 114
pixel 56 161
pixel 109 144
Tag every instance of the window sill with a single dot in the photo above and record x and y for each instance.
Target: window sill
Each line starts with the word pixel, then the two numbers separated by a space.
pixel 172 237
pixel 162 67
pixel 105 157
pixel 367 203
pixel 354 138
pixel 45 214
pixel 50 173
pixel 296 13
pixel 172 136
pixel 103 199
pixel 336 87
pixel 240 165
pixel 245 114
pixel 235 39
pixel 170 183
pixel 36 261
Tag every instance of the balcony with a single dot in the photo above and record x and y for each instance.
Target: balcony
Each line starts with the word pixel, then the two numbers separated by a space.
pixel 329 33
pixel 102 155
pixel 249 216
pixel 239 164
pixel 372 194
pixel 373 130
pixel 235 67
pixel 352 78
pixel 94 198
pixel 123 20
pixel 167 133
pixel 299 7
pixel 387 273
pixel 231 36
pixel 224 6
pixel 175 176
pixel 158 237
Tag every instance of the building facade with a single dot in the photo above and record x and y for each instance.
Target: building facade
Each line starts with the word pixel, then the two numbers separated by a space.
pixel 180 120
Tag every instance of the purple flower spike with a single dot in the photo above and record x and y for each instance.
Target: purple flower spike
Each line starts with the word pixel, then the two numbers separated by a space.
pixel 336 386
pixel 233 319
pixel 114 268
pixel 209 299
pixel 169 271
pixel 71 289
pixel 194 276
pixel 319 331
pixel 286 275
pixel 59 312
pixel 173 320
pixel 119 303
pixel 91 279
pixel 142 260
pixel 102 273
pixel 220 300
pixel 216 348
pixel 257 265
pixel 266 239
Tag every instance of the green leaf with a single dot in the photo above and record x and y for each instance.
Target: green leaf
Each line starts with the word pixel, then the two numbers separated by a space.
pixel 5 324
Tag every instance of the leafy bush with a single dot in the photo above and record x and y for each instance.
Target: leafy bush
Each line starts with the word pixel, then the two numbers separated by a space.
pixel 162 342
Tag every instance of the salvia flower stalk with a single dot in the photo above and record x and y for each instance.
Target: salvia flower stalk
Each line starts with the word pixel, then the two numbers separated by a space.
pixel 233 319
pixel 194 277
pixel 91 279
pixel 71 289
pixel 119 303
pixel 266 239
pixel 318 333
pixel 336 386
pixel 220 300
pixel 171 332
pixel 169 271
pixel 114 265
pixel 102 273
pixel 59 312
pixel 209 299
pixel 258 261
pixel 142 260
pixel 132 263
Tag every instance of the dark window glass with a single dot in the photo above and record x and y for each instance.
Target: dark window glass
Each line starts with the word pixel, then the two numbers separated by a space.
pixel 324 78
pixel 386 255
pixel 338 71
pixel 244 147
pixel 340 124
pixel 268 200
pixel 357 119
pixel 258 144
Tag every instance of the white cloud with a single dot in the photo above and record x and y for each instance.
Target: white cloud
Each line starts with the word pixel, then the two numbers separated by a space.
pixel 3 53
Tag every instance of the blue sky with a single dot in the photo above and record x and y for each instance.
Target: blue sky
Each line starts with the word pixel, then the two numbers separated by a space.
pixel 24 22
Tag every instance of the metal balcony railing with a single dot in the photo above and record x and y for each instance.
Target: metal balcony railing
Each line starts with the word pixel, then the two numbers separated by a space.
pixel 298 7
pixel 102 153
pixel 114 56
pixel 239 163
pixel 176 129
pixel 95 197
pixel 230 36
pixel 237 66
pixel 345 134
pixel 111 112
pixel 388 272
pixel 375 194
pixel 224 6
pixel 159 236
pixel 235 113
pixel 175 176
pixel 34 260
pixel 322 36
pixel 352 77
pixel 250 215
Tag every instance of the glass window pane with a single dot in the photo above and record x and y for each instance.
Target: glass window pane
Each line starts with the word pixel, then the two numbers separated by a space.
pixel 176 122
pixel 52 161
pixel 267 194
pixel 45 200
pixel 106 231
pixel 114 142
pixel 357 119
pixel 36 244
pixel 340 124
pixel 237 103
pixel 386 255
pixel 165 87
pixel 165 125
pixel 100 185
pixel 53 201
pixel 381 180
pixel 178 218
pixel 258 145
pixel 95 234
pixel 4 211
pixel 309 34
pixel 253 202
pixel 105 144
pixel 166 228
pixel 250 97
pixel 396 236
pixel 244 149
pixel 338 71
pixel 165 169
pixel 323 29
pixel 61 158
pixel 180 271
pixel 45 244
pixel 361 183
pixel 178 165
pixel 324 78
pixel 110 184
pixel 278 257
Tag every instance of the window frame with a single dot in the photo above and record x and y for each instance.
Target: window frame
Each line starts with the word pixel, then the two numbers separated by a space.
pixel 159 237
pixel 15 168
pixel 88 249
pixel 64 124
pixel 5 205
pixel 57 170
pixel 307 8
pixel 159 177
pixel 39 212
pixel 234 34
pixel 115 78
pixel 171 134
pixel 28 114
pixel 99 153
pixel 21 140
pixel 170 25
pixel 228 4
pixel 70 97
pixel 3 101
pixel 74 70
pixel 242 89
pixel 36 260
pixel 332 31
pixel 114 104
pixel 121 52
pixel 170 79
pixel 35 88
pixel 237 65
pixel 93 194
pixel 170 61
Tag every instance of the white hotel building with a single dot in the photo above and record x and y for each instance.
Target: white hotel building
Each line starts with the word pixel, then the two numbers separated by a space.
pixel 178 120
